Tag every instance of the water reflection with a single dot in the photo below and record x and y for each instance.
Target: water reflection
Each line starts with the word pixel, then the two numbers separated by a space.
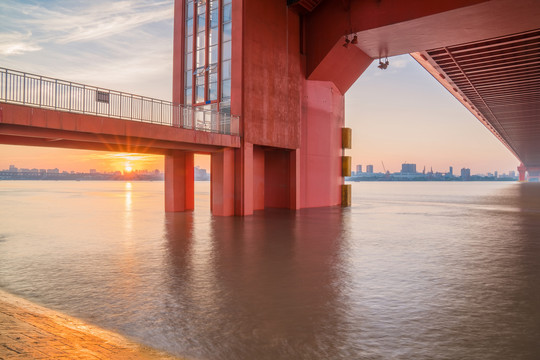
pixel 268 285
pixel 411 271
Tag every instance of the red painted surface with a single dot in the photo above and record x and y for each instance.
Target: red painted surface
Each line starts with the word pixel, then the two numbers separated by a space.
pixel 66 129
pixel 243 180
pixel 277 178
pixel 258 178
pixel 179 181
pixel 272 74
pixel 178 53
pixel 222 182
pixel 522 170
pixel 294 180
pixel 342 66
pixel 387 28
pixel 320 154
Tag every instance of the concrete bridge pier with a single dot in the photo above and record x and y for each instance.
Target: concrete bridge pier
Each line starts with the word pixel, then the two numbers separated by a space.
pixel 522 170
pixel 179 181
pixel 222 182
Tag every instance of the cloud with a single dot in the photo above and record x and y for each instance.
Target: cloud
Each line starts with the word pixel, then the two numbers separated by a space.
pixel 17 48
pixel 63 22
pixel 17 43
pixel 123 45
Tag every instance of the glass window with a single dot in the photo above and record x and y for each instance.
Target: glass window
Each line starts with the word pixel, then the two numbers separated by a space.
pixel 226 69
pixel 226 48
pixel 207 23
pixel 201 22
pixel 188 79
pixel 213 54
pixel 200 94
pixel 227 29
pixel 213 76
pixel 189 61
pixel 189 44
pixel 214 18
pixel 189 10
pixel 212 91
pixel 189 27
pixel 226 89
pixel 227 13
pixel 214 36
pixel 201 39
pixel 188 96
pixel 200 79
pixel 200 58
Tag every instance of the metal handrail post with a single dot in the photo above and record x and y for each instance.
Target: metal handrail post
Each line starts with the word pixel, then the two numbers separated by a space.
pixel 24 89
pixel 40 90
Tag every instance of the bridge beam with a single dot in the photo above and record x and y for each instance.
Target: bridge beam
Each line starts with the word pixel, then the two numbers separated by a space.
pixel 179 181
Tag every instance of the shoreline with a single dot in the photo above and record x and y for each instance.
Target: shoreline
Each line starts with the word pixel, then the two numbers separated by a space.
pixel 31 331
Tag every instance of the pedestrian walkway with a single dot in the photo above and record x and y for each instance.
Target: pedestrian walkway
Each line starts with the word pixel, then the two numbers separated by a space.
pixel 29 331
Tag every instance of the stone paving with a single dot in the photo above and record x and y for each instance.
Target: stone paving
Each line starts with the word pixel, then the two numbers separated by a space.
pixel 29 331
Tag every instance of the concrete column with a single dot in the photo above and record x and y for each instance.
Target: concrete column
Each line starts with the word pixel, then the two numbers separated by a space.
pixel 521 170
pixel 243 183
pixel 179 181
pixel 222 182
pixel 294 182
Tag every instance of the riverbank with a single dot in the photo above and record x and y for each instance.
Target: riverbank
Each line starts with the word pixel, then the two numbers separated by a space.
pixel 29 331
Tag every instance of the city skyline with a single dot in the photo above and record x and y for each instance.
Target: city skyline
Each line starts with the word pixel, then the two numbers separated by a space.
pixel 421 169
pixel 396 115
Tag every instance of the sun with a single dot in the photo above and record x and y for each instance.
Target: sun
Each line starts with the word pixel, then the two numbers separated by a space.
pixel 128 168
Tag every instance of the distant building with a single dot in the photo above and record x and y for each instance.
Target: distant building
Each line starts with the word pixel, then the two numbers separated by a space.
pixel 358 169
pixel 451 171
pixel 201 174
pixel 12 168
pixel 93 171
pixel 369 169
pixel 465 174
pixel 496 174
pixel 512 174
pixel 408 168
pixel 53 171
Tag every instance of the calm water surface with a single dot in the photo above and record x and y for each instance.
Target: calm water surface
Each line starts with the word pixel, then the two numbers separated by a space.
pixel 411 271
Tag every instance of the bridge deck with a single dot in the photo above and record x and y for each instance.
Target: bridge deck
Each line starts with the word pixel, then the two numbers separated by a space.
pixel 40 111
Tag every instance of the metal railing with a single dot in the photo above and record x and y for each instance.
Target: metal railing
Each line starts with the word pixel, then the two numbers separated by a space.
pixel 44 92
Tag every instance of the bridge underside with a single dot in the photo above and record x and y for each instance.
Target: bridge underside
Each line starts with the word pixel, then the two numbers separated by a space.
pixel 498 80
pixel 486 53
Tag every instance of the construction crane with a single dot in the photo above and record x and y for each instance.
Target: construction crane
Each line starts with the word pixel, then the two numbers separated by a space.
pixel 382 162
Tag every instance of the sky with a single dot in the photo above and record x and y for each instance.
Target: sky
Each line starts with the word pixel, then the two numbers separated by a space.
pixel 397 115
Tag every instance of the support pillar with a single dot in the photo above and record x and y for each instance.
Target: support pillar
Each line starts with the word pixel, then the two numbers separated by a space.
pixel 243 184
pixel 179 181
pixel 522 170
pixel 222 182
pixel 294 182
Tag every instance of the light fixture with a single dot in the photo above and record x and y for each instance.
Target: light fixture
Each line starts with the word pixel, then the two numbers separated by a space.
pixel 354 40
pixel 347 41
pixel 383 65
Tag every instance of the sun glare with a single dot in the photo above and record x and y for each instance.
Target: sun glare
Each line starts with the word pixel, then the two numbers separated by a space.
pixel 128 168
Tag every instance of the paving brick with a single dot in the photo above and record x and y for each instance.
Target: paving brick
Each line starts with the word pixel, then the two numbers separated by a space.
pixel 29 331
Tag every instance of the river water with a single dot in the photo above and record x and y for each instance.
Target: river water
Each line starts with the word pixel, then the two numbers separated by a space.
pixel 410 271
